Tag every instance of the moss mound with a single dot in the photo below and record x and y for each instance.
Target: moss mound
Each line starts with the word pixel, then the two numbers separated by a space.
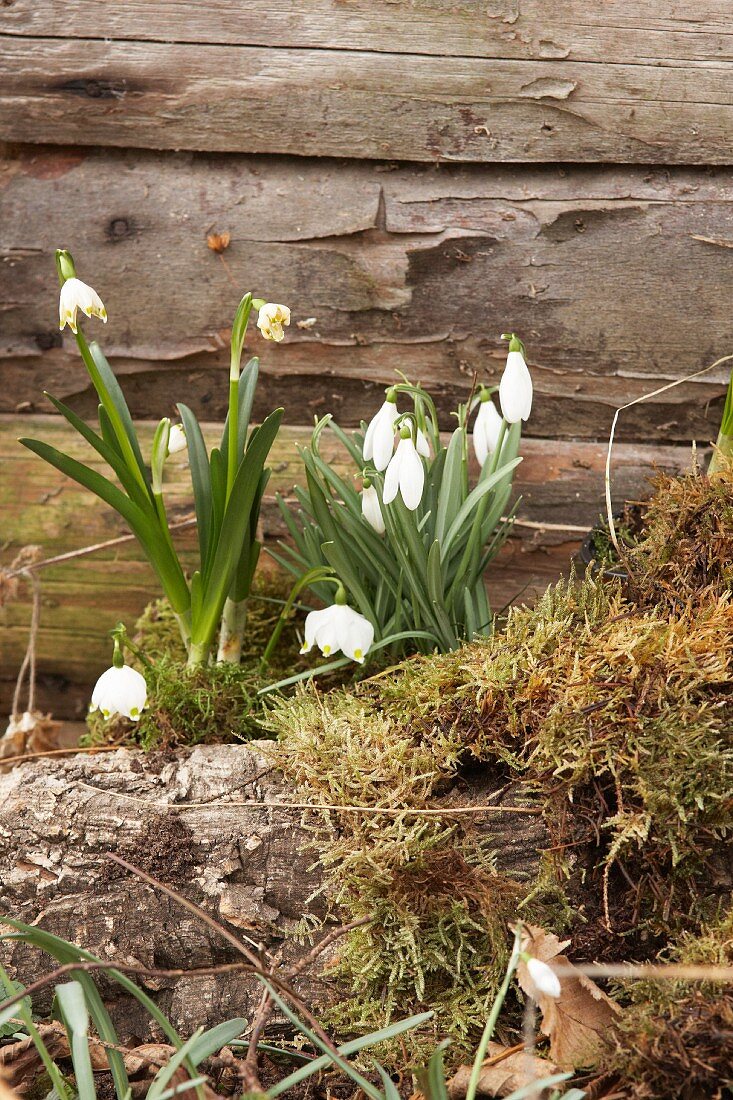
pixel 216 703
pixel 615 718
pixel 685 553
pixel 676 1038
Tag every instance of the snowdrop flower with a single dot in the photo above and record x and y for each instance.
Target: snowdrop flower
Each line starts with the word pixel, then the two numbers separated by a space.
pixel 486 428
pixel 77 295
pixel 120 690
pixel 422 445
pixel 177 439
pixel 544 977
pixel 271 319
pixel 405 472
pixel 379 438
pixel 339 628
pixel 515 388
pixel 370 509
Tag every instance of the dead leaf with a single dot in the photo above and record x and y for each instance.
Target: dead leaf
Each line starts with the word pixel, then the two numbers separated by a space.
pixel 578 1021
pixel 505 1070
pixel 6 1093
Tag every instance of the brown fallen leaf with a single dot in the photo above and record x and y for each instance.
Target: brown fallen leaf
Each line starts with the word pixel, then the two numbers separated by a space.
pixel 578 1021
pixel 504 1070
pixel 6 1093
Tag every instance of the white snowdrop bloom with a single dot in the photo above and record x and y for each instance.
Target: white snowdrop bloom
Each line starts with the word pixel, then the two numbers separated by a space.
pixel 486 429
pixel 120 691
pixel 405 473
pixel 177 439
pixel 379 438
pixel 370 509
pixel 338 628
pixel 76 295
pixel 544 977
pixel 515 389
pixel 422 445
pixel 271 319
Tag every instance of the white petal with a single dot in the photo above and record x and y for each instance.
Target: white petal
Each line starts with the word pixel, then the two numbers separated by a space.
pixel 544 977
pixel 328 631
pixel 383 439
pixel 176 439
pixel 392 477
pixel 120 691
pixel 486 430
pixel 371 511
pixel 515 389
pixel 75 295
pixel 423 447
pixel 412 475
pixel 313 620
pixel 357 635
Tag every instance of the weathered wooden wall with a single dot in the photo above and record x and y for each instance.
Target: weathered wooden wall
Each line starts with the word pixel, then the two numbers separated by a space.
pixel 415 175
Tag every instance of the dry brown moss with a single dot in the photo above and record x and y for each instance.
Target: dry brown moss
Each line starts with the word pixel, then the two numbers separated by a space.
pixel 684 553
pixel 675 1039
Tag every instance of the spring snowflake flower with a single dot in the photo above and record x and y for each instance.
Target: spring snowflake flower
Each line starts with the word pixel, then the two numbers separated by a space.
pixel 271 319
pixel 120 690
pixel 338 629
pixel 76 295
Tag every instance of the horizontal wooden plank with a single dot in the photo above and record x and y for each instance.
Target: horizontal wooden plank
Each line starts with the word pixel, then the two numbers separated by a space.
pixel 363 104
pixel 560 484
pixel 618 279
pixel 631 31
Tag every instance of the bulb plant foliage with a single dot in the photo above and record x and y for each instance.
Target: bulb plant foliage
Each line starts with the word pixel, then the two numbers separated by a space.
pixel 412 544
pixel 228 482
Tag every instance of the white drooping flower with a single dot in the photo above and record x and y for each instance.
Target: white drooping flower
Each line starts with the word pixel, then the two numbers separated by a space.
pixel 120 691
pixel 544 977
pixel 271 319
pixel 370 509
pixel 422 445
pixel 379 438
pixel 338 628
pixel 405 472
pixel 515 388
pixel 486 429
pixel 76 295
pixel 177 439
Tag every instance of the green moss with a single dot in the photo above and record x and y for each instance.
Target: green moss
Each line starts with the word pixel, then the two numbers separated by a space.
pixel 615 717
pixel 214 703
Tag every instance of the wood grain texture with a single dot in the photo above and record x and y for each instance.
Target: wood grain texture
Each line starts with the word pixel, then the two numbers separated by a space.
pixel 251 868
pixel 619 280
pixel 363 103
pixel 560 483
pixel 609 31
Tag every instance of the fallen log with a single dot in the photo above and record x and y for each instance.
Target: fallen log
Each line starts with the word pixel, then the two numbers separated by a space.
pixel 210 823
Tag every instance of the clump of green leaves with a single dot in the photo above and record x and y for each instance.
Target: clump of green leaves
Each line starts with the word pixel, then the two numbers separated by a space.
pixel 416 573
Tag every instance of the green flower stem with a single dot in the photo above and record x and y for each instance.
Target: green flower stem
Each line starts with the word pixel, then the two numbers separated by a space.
pixel 493 1017
pixel 198 654
pixel 723 450
pixel 111 410
pixel 319 574
pixel 233 443
pixel 233 622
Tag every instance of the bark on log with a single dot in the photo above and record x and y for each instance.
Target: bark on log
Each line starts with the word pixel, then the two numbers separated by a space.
pixel 246 866
pixel 401 267
pixel 82 599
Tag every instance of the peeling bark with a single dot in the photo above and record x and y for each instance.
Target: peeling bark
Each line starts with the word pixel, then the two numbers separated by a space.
pixel 249 867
